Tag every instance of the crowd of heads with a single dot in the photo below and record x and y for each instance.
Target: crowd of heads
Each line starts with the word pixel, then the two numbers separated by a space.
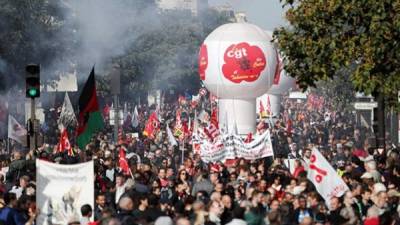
pixel 166 185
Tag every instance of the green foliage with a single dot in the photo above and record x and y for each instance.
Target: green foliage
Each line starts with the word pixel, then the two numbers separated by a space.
pixel 159 49
pixel 27 28
pixel 358 36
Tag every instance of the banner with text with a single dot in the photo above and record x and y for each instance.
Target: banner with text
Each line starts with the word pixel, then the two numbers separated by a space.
pixel 232 146
pixel 62 190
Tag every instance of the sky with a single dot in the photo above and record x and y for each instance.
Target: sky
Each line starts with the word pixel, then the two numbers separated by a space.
pixel 267 14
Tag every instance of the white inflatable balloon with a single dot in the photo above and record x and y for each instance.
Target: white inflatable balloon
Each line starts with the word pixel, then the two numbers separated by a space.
pixel 237 63
pixel 281 84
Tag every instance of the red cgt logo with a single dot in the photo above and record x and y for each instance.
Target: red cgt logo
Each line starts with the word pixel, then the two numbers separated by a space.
pixel 203 61
pixel 243 62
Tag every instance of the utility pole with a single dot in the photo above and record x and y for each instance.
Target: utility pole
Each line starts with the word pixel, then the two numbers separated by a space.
pixel 115 90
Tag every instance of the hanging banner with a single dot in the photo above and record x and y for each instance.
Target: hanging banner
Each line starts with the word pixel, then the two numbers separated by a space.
pixel 62 190
pixel 324 177
pixel 232 146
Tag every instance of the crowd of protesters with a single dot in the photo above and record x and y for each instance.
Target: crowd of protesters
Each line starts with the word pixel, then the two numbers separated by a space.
pixel 166 187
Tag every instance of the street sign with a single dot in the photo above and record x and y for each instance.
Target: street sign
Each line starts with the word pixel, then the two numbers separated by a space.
pixel 120 116
pixel 365 105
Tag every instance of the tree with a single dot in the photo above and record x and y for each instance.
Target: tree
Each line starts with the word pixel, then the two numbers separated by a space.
pixel 360 36
pixel 32 31
pixel 339 90
pixel 165 57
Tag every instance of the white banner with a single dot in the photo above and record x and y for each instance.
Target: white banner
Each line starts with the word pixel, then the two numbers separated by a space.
pixel 324 177
pixel 62 190
pixel 232 146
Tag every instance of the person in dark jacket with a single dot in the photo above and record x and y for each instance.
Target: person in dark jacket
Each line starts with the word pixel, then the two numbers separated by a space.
pixel 125 212
pixel 9 214
pixel 302 211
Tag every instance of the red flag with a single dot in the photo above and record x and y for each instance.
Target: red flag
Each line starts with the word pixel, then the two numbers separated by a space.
pixel 211 131
pixel 178 129
pixel 263 113
pixel 214 117
pixel 181 100
pixel 213 98
pixel 120 136
pixel 186 129
pixel 289 127
pixel 261 108
pixel 123 163
pixel 269 107
pixel 249 138
pixel 64 144
pixel 152 126
pixel 106 111
pixel 278 69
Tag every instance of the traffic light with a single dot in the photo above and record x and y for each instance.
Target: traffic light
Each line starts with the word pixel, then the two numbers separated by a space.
pixel 32 81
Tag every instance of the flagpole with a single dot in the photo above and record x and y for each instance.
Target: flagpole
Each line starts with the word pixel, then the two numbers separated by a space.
pixel 8 145
pixel 183 150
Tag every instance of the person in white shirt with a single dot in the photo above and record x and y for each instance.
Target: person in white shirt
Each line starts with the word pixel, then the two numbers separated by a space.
pixel 120 186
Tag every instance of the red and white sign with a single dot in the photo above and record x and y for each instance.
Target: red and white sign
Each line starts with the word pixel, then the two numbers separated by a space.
pixel 324 177
pixel 203 61
pixel 243 62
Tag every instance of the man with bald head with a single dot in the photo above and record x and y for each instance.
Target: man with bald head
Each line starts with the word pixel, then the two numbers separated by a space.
pixel 125 209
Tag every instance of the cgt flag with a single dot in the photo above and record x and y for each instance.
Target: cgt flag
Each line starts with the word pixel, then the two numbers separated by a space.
pixel 90 119
pixel 152 126
pixel 64 144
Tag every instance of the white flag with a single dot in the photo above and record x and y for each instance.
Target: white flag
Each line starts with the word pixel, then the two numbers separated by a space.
pixel 324 177
pixel 135 118
pixel 125 111
pixel 67 115
pixel 171 137
pixel 16 131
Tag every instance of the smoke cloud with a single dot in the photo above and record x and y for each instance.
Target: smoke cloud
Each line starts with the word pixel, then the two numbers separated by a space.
pixel 103 29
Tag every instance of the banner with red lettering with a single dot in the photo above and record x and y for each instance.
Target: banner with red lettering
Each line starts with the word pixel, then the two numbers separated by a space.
pixel 324 177
pixel 230 146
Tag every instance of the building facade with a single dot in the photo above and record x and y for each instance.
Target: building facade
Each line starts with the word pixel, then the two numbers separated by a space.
pixel 194 6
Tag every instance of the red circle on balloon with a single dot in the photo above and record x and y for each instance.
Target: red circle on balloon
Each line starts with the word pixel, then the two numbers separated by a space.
pixel 243 62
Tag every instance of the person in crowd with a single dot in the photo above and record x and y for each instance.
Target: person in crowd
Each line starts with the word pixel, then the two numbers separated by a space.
pixel 169 186
pixel 86 212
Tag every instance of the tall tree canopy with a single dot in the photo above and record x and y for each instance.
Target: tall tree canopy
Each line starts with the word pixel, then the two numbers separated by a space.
pixel 359 36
